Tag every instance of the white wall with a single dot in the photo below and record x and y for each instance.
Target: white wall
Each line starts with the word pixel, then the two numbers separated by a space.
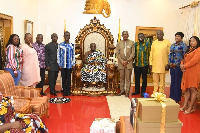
pixel 132 13
pixel 49 15
pixel 21 10
pixel 158 13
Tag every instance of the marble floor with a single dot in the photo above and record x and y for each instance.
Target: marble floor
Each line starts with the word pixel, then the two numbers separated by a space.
pixel 77 115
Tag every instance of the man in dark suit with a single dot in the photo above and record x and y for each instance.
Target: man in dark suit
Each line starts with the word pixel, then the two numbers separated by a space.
pixel 51 63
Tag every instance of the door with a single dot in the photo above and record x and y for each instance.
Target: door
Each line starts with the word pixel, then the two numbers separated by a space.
pixel 6 29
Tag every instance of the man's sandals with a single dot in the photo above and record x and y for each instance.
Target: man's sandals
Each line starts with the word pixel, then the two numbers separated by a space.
pixel 99 86
pixel 85 86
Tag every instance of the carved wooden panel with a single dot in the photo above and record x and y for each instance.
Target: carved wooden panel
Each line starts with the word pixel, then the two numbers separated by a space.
pixel 94 27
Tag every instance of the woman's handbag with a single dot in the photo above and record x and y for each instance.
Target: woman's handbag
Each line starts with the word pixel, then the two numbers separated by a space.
pixel 167 67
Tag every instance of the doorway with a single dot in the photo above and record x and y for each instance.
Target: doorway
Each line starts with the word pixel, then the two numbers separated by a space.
pixel 6 29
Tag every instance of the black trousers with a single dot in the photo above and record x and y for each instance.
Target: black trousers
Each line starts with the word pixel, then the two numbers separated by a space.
pixel 66 79
pixel 138 71
pixel 52 75
pixel 42 76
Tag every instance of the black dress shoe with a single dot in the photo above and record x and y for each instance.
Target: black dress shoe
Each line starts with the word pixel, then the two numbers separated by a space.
pixel 142 95
pixel 57 91
pixel 68 93
pixel 53 93
pixel 64 94
pixel 135 93
pixel 43 94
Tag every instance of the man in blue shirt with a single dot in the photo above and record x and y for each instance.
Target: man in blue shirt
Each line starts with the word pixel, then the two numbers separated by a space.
pixel 66 61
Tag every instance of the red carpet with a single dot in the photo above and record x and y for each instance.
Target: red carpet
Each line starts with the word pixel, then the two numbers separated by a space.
pixel 77 115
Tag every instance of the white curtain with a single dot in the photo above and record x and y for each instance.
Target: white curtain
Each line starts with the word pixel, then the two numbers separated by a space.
pixel 191 22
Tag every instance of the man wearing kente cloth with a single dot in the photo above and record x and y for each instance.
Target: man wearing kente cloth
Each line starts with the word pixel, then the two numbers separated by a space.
pixel 94 67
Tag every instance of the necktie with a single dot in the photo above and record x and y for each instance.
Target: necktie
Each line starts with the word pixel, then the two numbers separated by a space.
pixel 125 49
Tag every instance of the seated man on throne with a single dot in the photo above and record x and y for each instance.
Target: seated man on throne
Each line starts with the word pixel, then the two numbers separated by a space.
pixel 93 70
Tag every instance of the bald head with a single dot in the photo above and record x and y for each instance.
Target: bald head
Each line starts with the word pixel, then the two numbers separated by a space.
pixel 160 32
pixel 54 37
pixel 125 35
pixel 54 34
pixel 39 38
pixel 93 46
pixel 160 35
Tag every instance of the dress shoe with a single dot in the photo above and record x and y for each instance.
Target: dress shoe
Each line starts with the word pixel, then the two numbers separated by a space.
pixel 127 95
pixel 64 94
pixel 135 93
pixel 43 94
pixel 68 93
pixel 57 91
pixel 53 93
pixel 121 93
pixel 142 95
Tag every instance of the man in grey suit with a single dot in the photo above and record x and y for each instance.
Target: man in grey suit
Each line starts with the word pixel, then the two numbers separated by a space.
pixel 51 63
pixel 125 51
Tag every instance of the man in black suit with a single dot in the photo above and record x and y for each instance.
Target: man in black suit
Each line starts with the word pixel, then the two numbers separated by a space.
pixel 51 63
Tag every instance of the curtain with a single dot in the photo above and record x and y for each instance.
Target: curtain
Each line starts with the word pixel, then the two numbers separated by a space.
pixel 191 22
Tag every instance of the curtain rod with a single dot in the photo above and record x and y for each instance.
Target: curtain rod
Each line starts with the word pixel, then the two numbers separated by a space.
pixel 193 4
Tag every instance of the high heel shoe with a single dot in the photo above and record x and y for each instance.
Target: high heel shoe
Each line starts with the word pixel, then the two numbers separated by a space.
pixel 186 112
pixel 181 109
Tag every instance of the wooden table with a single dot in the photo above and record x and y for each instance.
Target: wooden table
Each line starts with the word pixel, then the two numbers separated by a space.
pixel 125 125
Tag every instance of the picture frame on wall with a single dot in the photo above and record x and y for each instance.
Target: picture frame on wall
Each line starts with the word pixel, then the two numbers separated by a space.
pixel 28 27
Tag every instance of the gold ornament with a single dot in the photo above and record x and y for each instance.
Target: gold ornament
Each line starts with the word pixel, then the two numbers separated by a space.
pixel 194 4
pixel 97 7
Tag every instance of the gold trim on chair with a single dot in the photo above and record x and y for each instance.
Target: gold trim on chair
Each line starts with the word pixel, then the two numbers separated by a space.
pixel 94 26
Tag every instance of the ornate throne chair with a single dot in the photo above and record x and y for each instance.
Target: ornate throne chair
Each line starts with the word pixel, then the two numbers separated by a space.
pixel 102 37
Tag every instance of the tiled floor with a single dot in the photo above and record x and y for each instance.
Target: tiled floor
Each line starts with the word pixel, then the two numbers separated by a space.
pixel 77 115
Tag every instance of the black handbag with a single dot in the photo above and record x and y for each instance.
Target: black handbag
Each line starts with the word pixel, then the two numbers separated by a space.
pixel 167 67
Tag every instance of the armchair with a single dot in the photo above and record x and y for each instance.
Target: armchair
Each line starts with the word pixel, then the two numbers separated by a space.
pixel 27 99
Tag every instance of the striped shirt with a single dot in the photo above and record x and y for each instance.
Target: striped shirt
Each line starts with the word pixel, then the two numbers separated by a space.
pixel 66 55
pixel 142 52
pixel 14 58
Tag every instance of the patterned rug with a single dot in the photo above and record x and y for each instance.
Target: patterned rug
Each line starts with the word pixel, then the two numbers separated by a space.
pixel 59 100
pixel 119 106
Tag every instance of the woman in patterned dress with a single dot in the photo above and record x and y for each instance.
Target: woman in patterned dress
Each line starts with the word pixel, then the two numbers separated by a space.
pixel 177 50
pixel 94 67
pixel 14 58
pixel 11 122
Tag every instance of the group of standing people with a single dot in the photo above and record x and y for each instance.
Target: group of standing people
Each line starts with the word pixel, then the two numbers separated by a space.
pixel 182 60
pixel 27 62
